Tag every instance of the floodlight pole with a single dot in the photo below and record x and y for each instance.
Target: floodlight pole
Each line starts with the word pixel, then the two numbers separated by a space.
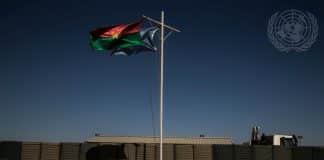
pixel 161 84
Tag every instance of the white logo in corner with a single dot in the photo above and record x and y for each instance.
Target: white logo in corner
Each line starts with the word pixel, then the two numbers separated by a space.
pixel 292 30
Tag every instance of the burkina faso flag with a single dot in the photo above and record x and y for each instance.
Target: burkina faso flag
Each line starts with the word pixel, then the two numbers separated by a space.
pixel 125 39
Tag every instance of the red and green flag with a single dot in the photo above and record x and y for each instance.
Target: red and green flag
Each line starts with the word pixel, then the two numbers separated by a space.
pixel 125 39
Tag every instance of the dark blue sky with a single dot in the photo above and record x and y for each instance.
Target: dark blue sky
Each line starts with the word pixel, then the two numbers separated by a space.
pixel 222 74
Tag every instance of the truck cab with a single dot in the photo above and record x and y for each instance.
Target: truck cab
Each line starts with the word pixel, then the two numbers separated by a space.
pixel 275 140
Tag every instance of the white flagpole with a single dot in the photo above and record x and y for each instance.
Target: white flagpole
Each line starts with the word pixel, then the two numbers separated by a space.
pixel 161 84
pixel 161 71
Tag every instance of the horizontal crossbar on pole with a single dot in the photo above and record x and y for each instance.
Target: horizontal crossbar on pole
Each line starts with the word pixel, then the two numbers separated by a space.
pixel 159 23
